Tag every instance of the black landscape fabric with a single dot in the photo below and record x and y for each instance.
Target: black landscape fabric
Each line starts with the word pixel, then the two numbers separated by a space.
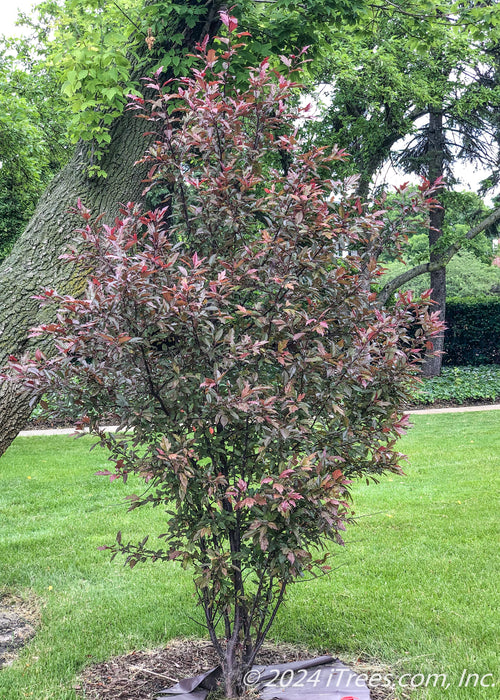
pixel 322 678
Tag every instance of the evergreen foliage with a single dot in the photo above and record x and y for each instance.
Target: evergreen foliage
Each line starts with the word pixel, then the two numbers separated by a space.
pixel 473 334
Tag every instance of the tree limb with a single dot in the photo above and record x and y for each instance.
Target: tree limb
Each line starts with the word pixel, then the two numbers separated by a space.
pixel 442 260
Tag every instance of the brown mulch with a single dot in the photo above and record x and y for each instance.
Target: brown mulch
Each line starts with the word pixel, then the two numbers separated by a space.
pixel 44 423
pixel 139 675
pixel 19 618
pixel 40 424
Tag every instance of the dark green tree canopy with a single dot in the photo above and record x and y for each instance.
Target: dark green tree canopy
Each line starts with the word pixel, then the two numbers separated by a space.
pixel 33 145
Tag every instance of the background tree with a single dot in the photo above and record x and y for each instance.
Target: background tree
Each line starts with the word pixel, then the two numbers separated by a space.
pixel 432 82
pixel 34 260
pixel 469 272
pixel 463 210
pixel 467 276
pixel 253 374
pixel 152 33
pixel 33 147
pixel 176 27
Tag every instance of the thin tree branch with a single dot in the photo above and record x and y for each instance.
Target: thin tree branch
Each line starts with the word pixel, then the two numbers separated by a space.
pixel 440 262
pixel 127 16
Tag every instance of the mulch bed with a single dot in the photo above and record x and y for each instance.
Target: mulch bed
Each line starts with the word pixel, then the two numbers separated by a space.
pixel 18 621
pixel 44 423
pixel 141 674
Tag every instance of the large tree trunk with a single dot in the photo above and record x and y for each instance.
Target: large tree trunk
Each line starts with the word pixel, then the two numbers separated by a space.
pixel 34 262
pixel 436 155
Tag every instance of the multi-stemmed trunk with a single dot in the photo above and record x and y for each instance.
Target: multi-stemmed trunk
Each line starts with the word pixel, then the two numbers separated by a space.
pixel 247 616
pixel 239 653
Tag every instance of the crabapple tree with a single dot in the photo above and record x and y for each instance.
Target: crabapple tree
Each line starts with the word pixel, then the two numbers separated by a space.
pixel 235 332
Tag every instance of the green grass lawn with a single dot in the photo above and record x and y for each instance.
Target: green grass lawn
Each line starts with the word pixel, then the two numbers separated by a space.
pixel 415 587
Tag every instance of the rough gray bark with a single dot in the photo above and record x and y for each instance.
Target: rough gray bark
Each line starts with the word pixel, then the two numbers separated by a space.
pixel 34 262
pixel 436 156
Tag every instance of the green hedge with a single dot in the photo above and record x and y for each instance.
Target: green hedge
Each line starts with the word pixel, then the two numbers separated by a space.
pixel 473 334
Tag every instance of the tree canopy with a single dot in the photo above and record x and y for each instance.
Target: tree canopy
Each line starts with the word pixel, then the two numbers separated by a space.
pixel 33 144
pixel 97 50
pixel 254 372
pixel 421 95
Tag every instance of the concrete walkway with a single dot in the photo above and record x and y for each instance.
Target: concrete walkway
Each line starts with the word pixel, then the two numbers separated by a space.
pixel 456 409
pixel 59 431
pixel 416 412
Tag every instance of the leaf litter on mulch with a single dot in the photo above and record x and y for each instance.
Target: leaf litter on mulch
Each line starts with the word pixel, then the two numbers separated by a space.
pixel 140 675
